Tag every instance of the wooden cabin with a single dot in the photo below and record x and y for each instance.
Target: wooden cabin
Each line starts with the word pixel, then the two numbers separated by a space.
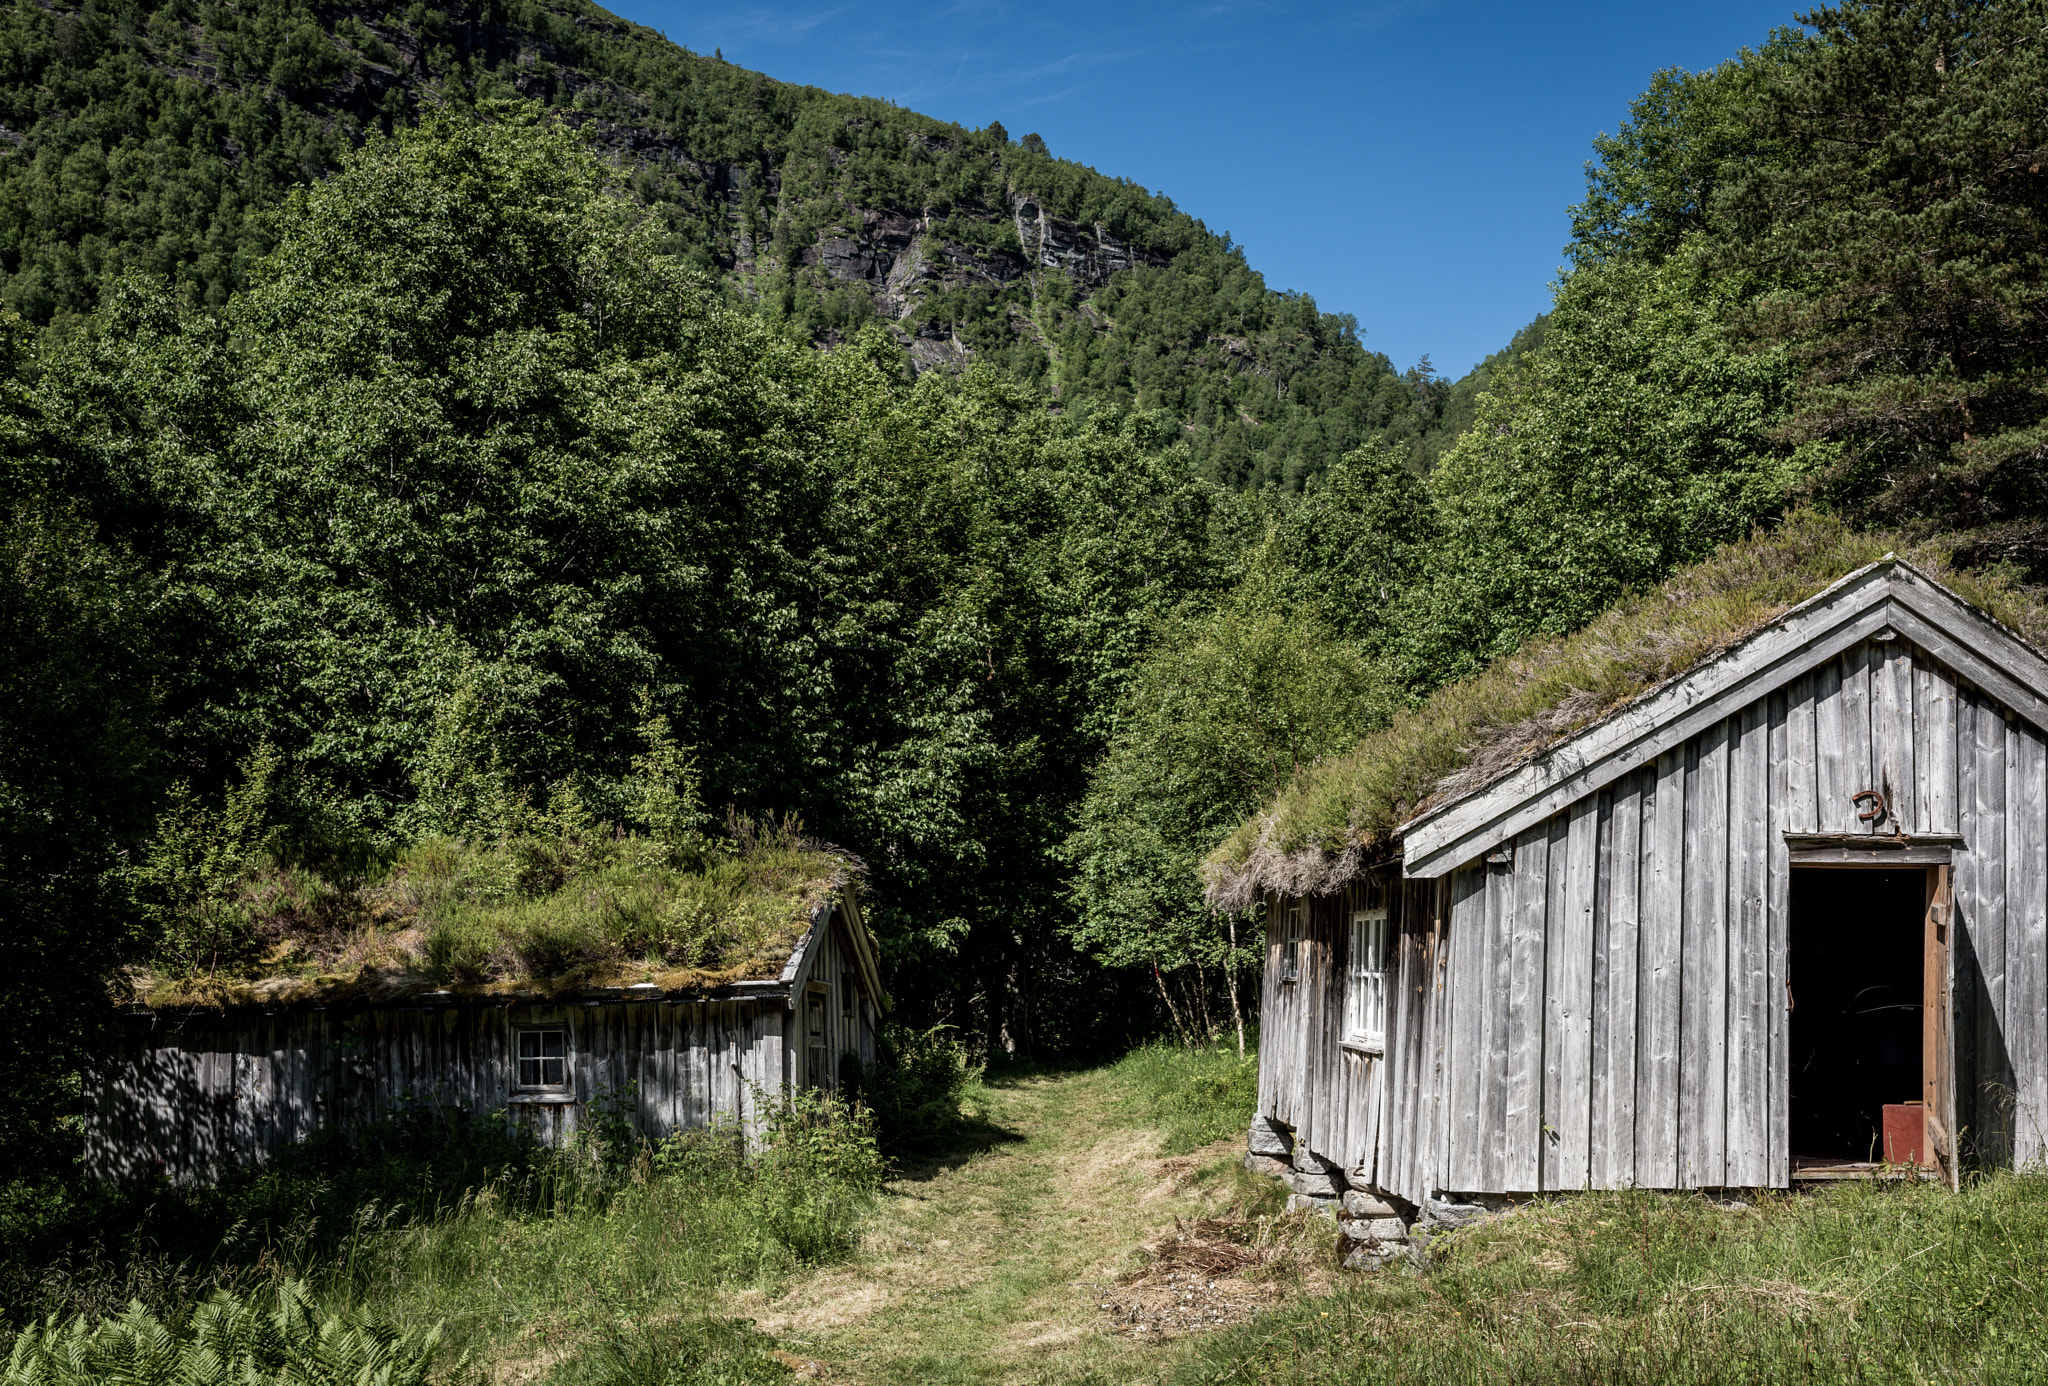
pixel 190 1093
pixel 1781 917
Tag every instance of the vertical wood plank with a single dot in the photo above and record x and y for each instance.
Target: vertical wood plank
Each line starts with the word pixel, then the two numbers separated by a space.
pixel 1464 1042
pixel 1702 1109
pixel 1989 847
pixel 2027 943
pixel 1935 736
pixel 1617 1118
pixel 1777 927
pixel 1749 957
pixel 1801 810
pixel 1519 1027
pixel 1572 984
pixel 1859 731
pixel 1661 957
pixel 1832 785
pixel 1598 1149
pixel 1898 760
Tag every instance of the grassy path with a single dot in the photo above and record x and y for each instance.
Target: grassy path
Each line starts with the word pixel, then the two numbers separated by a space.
pixel 992 1267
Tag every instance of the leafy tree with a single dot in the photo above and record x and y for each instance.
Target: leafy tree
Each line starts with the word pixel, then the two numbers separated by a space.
pixel 1904 229
pixel 1227 708
pixel 1638 439
pixel 78 766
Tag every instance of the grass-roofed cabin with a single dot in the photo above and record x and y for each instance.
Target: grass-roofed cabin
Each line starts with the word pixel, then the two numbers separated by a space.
pixel 1729 890
pixel 536 1009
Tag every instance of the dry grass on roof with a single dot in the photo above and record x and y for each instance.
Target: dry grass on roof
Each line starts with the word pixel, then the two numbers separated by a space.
pixel 523 915
pixel 1339 814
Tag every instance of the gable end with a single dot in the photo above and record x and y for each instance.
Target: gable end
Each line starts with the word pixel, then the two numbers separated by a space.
pixel 1888 598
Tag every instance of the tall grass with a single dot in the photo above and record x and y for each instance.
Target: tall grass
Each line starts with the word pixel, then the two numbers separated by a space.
pixel 1194 1094
pixel 1862 1283
pixel 538 1258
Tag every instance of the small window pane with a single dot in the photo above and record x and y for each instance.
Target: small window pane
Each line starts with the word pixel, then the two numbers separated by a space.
pixel 543 1059
pixel 1366 986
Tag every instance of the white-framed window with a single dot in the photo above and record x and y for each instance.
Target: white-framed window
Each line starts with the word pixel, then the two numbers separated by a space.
pixel 543 1054
pixel 1290 943
pixel 1365 991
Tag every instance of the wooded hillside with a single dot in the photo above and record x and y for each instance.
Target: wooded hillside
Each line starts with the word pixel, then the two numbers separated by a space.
pixel 165 137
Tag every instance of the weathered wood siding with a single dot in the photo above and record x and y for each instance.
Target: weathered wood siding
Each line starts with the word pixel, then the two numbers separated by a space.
pixel 191 1097
pixel 1601 1002
pixel 1332 1096
pixel 831 965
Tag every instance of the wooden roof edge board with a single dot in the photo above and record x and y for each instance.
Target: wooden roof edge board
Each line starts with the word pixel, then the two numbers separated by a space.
pixel 1633 735
pixel 1889 592
pixel 1993 657
pixel 863 946
pixel 820 914
pixel 846 905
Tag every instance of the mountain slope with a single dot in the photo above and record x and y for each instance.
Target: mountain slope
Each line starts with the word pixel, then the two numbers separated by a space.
pixel 157 135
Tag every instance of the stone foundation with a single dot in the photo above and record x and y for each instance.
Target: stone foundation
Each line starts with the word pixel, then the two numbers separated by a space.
pixel 1372 1230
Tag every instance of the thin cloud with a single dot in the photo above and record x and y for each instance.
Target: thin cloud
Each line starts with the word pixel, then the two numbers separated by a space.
pixel 774 25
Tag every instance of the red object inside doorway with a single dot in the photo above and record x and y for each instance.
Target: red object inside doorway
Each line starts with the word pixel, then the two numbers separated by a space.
pixel 1904 1125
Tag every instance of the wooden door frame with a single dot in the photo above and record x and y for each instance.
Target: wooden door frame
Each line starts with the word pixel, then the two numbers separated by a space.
pixel 1937 1025
pixel 1937 976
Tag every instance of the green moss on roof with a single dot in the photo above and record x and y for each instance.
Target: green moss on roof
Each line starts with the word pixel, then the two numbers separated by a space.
pixel 1342 812
pixel 524 916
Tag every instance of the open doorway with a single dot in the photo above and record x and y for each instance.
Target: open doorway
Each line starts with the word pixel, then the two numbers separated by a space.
pixel 1857 987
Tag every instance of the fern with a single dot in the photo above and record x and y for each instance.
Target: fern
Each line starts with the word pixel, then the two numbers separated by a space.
pixel 232 1340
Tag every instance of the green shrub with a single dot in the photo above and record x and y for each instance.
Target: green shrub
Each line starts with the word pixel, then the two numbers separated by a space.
pixel 230 1340
pixel 914 1086
pixel 806 1183
pixel 1194 1094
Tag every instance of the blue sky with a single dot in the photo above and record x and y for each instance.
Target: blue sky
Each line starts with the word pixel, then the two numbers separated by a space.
pixel 1409 163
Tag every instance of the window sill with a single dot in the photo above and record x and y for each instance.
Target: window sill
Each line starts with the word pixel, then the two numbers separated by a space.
pixel 542 1099
pixel 1371 1050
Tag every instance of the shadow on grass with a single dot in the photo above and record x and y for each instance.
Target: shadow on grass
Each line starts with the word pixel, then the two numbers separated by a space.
pixel 974 1134
pixel 947 1150
pixel 1007 1072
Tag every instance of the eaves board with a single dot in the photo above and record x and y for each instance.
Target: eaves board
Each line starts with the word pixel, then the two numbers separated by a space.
pixel 1888 594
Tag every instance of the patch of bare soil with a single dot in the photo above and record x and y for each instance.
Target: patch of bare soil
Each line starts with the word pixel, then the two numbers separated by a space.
pixel 1208 1273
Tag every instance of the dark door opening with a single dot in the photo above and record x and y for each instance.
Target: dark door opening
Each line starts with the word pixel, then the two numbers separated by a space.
pixel 1857 980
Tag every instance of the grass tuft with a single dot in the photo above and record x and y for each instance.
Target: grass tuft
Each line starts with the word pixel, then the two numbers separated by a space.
pixel 1194 1094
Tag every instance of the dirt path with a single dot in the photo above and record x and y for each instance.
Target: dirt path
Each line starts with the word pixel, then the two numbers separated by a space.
pixel 996 1268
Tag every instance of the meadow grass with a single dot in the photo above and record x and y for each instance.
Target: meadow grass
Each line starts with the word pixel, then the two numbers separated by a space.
pixel 1860 1283
pixel 1193 1094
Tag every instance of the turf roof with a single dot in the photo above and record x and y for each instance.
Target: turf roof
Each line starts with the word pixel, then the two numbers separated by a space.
pixel 393 944
pixel 1344 812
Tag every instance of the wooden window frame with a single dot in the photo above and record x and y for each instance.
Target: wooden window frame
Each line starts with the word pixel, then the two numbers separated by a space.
pixel 565 1088
pixel 1365 982
pixel 1291 931
pixel 818 1056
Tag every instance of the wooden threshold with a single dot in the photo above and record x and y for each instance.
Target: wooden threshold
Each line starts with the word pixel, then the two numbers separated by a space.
pixel 1822 1172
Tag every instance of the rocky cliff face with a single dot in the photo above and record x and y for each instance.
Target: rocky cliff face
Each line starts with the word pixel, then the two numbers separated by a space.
pixel 902 263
